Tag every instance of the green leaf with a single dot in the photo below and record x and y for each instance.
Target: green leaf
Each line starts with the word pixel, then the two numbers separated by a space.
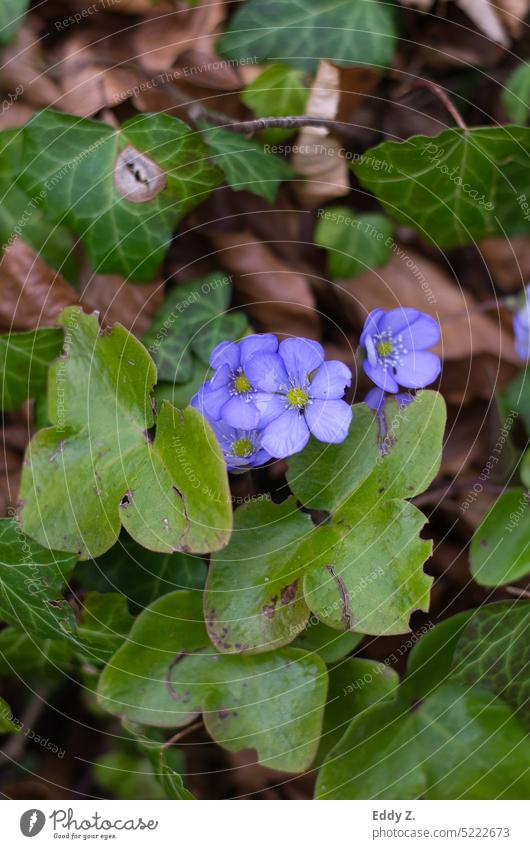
pixel 22 215
pixel 24 361
pixel 430 661
pixel 105 622
pixel 278 91
pixel 127 775
pixel 168 672
pixel 180 394
pixel 515 95
pixel 300 32
pixel 245 164
pixel 455 188
pixel 167 763
pixel 261 606
pixel 354 243
pixel 192 320
pixel 354 686
pixel 461 743
pixel 122 191
pixel 7 726
pixel 517 397
pixel 31 584
pixel 33 656
pixel 11 16
pixel 98 468
pixel 140 575
pixel 500 548
pixel 493 651
pixel 330 644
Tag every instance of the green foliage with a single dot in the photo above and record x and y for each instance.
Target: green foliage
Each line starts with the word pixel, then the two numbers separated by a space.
pixel 278 91
pixel 121 191
pixel 193 319
pixel 516 94
pixel 329 644
pixel 31 584
pixel 100 451
pixel 7 726
pixel 104 623
pixel 28 655
pixel 245 164
pixel 11 16
pixel 354 243
pixel 24 361
pixel 127 775
pixel 358 571
pixel 500 548
pixel 455 188
pixel 168 672
pixel 347 32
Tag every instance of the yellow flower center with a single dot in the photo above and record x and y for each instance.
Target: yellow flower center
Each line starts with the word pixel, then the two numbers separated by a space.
pixel 297 398
pixel 241 383
pixel 242 447
pixel 385 348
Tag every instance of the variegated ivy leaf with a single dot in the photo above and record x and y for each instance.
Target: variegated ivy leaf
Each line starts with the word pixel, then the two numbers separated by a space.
pixel 360 569
pixel 100 466
pixel 121 191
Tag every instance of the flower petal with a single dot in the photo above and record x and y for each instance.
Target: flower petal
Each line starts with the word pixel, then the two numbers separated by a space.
pixel 221 377
pixel 421 334
pixel 418 369
pixel 399 319
pixel 380 376
pixel 270 406
pixel 238 412
pixel 330 380
pixel 329 421
pixel 225 352
pixel 263 343
pixel 210 402
pixel 266 372
pixel 404 399
pixel 371 325
pixel 301 357
pixel 375 399
pixel 286 435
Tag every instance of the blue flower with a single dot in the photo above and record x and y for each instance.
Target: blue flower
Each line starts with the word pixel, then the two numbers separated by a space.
pixel 376 399
pixel 241 448
pixel 229 395
pixel 521 328
pixel 298 394
pixel 395 346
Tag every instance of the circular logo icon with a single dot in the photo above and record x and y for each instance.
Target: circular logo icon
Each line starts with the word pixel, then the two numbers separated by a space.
pixel 32 822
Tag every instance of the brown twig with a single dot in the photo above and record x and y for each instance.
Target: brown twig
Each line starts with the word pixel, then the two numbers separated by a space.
pixel 517 591
pixel 181 734
pixel 438 92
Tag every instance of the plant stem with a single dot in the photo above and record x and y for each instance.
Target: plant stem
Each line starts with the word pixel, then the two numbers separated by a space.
pixel 438 92
pixel 181 734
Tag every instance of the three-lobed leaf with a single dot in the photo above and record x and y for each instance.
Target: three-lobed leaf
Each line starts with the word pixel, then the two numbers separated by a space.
pixel 353 243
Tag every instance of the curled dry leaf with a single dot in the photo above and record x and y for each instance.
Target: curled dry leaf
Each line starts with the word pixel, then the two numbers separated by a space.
pixel 277 299
pixel 33 294
pixel 317 155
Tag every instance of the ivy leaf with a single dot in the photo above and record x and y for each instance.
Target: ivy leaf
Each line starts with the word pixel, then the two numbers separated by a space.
pixel 329 644
pixel 245 164
pixel 278 91
pixel 500 548
pixel 460 744
pixel 98 467
pixel 493 651
pixel 192 320
pixel 11 16
pixel 22 215
pixel 24 361
pixel 31 584
pixel 515 95
pixel 122 191
pixel 455 188
pixel 354 243
pixel 105 622
pixel 430 661
pixel 301 32
pixel 7 726
pixel 140 575
pixel 517 397
pixel 168 672
pixel 33 656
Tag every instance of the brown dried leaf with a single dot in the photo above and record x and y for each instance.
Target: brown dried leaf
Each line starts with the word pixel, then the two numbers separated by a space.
pixel 132 304
pixel 508 261
pixel 277 299
pixel 24 66
pixel 32 293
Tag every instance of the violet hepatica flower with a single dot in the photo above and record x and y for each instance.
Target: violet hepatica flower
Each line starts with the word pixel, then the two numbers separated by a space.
pixel 298 394
pixel 395 345
pixel 229 395
pixel 241 448
pixel 376 399
pixel 521 328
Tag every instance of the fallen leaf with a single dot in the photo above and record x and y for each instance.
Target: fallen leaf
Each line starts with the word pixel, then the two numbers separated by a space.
pixel 33 294
pixel 132 304
pixel 317 154
pixel 24 66
pixel 508 261
pixel 277 299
